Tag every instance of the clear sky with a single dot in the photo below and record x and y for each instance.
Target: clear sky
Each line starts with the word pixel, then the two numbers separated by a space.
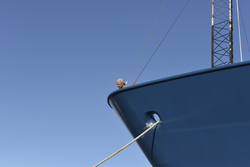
pixel 59 60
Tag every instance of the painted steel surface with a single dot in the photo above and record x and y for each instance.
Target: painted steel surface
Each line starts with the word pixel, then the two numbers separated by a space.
pixel 205 117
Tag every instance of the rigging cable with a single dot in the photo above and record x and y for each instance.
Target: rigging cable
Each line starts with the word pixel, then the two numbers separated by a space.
pixel 237 3
pixel 146 41
pixel 161 41
pixel 244 28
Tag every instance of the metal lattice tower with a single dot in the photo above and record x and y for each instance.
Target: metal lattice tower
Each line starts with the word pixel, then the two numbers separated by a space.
pixel 222 32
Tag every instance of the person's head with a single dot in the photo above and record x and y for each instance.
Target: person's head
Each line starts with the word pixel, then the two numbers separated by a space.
pixel 120 83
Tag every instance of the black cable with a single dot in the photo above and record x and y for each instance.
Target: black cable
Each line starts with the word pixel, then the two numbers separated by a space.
pixel 152 147
pixel 161 41
pixel 146 40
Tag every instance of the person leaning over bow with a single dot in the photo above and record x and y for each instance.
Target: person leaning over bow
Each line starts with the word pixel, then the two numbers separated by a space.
pixel 120 83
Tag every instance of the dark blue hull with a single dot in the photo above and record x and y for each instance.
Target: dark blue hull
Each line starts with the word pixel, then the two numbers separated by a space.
pixel 205 117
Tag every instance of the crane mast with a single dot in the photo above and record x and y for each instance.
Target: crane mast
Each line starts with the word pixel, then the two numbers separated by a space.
pixel 222 32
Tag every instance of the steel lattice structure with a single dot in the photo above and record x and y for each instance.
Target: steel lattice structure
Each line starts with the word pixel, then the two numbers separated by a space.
pixel 222 28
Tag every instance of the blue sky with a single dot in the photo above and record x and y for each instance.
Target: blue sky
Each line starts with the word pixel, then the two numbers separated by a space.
pixel 59 60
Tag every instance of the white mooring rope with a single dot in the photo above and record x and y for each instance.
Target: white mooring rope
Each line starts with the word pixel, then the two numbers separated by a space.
pixel 153 125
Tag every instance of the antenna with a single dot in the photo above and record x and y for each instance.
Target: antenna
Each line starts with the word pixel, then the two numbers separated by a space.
pixel 222 32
